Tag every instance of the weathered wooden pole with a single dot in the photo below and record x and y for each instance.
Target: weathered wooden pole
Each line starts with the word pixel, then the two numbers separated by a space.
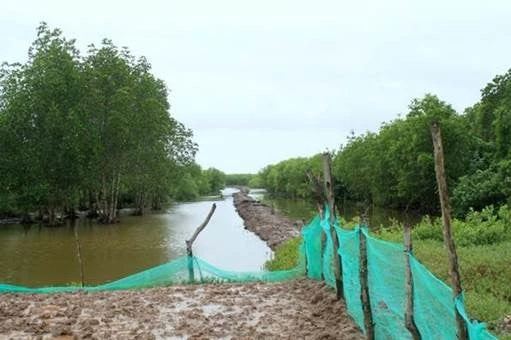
pixel 409 318
pixel 317 189
pixel 329 190
pixel 79 251
pixel 446 218
pixel 189 242
pixel 364 287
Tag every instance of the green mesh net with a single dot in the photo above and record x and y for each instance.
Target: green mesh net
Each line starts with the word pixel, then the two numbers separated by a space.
pixel 174 272
pixel 433 303
pixel 434 308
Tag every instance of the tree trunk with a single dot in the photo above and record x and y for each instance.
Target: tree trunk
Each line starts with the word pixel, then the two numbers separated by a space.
pixel 103 206
pixel 138 204
pixel 52 216
pixel 108 209
pixel 116 196
pixel 156 203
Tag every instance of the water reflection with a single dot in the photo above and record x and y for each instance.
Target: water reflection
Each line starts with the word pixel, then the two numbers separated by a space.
pixel 306 209
pixel 37 256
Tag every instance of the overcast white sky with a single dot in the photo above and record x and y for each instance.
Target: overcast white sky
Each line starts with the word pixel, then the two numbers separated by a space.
pixel 262 81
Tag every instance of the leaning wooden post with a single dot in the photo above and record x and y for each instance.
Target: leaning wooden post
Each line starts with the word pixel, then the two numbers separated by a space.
pixel 189 242
pixel 364 287
pixel 336 258
pixel 409 319
pixel 446 218
pixel 79 251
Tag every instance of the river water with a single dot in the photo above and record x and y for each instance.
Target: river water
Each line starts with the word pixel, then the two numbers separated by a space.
pixel 40 256
pixel 301 209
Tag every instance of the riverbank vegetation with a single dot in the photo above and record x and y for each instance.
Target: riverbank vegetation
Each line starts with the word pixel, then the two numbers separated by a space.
pixel 394 167
pixel 196 182
pixel 238 179
pixel 92 132
pixel 484 251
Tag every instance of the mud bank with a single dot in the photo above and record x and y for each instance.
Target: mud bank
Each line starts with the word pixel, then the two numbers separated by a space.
pixel 263 221
pixel 300 309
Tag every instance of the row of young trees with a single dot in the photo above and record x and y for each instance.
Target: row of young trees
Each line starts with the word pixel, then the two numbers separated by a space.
pixel 394 167
pixel 85 130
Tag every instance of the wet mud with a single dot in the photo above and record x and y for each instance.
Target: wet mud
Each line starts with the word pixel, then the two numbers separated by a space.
pixel 300 309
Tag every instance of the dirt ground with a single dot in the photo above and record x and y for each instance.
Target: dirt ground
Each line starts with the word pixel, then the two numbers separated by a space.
pixel 300 309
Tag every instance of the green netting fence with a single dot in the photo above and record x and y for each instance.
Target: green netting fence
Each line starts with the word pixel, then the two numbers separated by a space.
pixel 174 272
pixel 434 308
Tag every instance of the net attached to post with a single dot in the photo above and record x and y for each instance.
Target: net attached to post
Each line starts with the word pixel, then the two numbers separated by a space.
pixel 175 272
pixel 434 306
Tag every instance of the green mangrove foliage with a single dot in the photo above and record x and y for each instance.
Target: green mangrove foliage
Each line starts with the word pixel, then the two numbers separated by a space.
pixel 196 182
pixel 489 226
pixel 238 179
pixel 84 131
pixel 394 167
pixel 288 178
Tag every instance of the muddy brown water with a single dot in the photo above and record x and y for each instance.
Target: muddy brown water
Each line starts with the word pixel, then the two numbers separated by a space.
pixel 301 209
pixel 41 256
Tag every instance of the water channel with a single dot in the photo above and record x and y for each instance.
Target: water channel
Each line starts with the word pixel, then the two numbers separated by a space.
pixel 42 256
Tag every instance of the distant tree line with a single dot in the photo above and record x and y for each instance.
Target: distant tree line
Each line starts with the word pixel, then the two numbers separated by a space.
pixel 238 179
pixel 89 132
pixel 394 167
pixel 195 182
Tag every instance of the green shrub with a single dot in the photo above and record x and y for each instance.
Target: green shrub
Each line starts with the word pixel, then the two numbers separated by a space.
pixel 286 255
pixel 488 226
pixel 428 229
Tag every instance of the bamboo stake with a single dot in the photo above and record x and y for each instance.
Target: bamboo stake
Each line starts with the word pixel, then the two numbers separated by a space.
pixel 446 218
pixel 79 251
pixel 336 258
pixel 364 288
pixel 189 242
pixel 409 318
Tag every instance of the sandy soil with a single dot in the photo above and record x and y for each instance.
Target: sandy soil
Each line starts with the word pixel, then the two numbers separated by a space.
pixel 301 309
pixel 263 221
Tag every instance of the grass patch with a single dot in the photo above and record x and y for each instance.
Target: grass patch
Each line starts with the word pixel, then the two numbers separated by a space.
pixel 286 255
pixel 485 274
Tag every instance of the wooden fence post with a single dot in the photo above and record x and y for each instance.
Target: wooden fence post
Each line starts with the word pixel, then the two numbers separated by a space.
pixel 409 319
pixel 79 251
pixel 189 242
pixel 446 218
pixel 364 287
pixel 319 195
pixel 336 258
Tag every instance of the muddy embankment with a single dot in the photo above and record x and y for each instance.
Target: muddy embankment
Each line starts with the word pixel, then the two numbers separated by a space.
pixel 300 309
pixel 271 227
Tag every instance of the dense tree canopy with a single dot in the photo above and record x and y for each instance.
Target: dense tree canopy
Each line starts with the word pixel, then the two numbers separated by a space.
pixel 288 178
pixel 238 179
pixel 394 167
pixel 196 182
pixel 83 130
